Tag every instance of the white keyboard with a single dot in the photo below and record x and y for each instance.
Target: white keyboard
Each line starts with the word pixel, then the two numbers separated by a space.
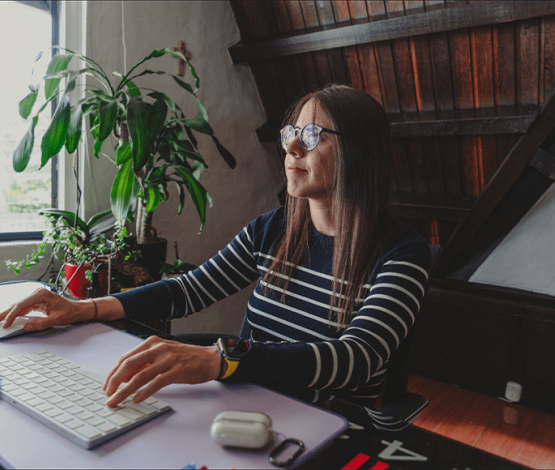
pixel 68 398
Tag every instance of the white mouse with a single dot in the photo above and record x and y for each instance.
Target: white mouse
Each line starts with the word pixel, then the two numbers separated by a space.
pixel 15 329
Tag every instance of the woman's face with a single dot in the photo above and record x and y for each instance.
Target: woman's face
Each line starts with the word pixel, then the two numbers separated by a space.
pixel 311 174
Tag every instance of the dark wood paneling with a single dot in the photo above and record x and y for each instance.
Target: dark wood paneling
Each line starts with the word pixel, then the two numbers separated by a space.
pixel 400 27
pixel 432 206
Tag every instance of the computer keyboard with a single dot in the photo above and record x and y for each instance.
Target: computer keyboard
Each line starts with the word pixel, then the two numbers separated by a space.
pixel 68 398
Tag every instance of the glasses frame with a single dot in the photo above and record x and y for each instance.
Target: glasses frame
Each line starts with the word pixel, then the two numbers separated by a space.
pixel 299 132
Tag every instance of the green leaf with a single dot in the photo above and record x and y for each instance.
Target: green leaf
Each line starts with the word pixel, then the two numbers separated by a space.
pixel 123 190
pixel 57 64
pixel 55 136
pixel 23 151
pixel 203 113
pixel 152 198
pixel 74 129
pixel 226 154
pixel 98 217
pixel 123 153
pixel 183 84
pixel 199 124
pixel 162 96
pixel 27 103
pixel 138 132
pixel 108 112
pixel 181 194
pixel 197 192
pixel 68 216
pixel 156 118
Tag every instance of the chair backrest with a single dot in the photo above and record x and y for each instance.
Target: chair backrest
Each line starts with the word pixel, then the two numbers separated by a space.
pixel 396 380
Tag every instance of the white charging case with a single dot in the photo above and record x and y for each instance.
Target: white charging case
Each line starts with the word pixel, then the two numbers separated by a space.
pixel 242 429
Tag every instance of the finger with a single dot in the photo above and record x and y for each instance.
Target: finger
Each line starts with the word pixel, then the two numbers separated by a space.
pixel 34 302
pixel 129 368
pixel 139 380
pixel 40 324
pixel 160 381
pixel 141 347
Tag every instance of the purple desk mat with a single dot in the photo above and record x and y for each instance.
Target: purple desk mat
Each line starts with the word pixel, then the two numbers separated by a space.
pixel 172 440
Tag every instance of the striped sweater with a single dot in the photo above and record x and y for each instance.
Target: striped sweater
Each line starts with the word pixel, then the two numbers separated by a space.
pixel 294 340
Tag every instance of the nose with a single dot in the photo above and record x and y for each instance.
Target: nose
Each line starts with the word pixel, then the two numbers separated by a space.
pixel 294 148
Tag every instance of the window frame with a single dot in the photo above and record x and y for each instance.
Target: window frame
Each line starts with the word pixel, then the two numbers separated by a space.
pixel 50 6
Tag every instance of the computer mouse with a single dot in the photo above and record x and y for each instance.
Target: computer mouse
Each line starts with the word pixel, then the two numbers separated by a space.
pixel 15 329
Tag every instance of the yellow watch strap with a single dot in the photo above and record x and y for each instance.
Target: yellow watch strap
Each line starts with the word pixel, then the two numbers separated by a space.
pixel 231 367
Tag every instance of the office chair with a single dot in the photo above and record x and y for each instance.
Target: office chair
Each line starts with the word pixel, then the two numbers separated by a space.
pixel 396 408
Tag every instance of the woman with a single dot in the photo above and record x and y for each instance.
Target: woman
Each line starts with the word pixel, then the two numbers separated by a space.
pixel 339 281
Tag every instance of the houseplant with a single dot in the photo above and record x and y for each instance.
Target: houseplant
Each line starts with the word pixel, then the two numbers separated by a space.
pixel 152 149
pixel 80 246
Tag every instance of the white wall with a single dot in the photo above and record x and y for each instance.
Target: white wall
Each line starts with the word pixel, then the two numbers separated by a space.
pixel 525 259
pixel 231 99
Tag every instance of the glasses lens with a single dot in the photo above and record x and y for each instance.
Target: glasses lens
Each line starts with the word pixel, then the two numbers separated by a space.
pixel 310 136
pixel 287 135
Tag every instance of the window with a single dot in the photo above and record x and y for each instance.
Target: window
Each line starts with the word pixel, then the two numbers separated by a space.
pixel 26 28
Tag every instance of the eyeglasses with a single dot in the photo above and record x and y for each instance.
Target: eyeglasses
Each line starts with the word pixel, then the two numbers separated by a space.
pixel 309 135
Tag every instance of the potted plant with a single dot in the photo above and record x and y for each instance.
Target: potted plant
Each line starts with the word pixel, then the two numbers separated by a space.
pixel 81 246
pixel 153 149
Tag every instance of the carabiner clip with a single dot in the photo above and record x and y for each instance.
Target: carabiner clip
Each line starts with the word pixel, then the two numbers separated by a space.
pixel 281 447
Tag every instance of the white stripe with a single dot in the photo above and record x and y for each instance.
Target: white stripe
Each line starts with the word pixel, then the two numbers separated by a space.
pixel 403 290
pixel 196 292
pixel 248 237
pixel 356 339
pixel 379 322
pixel 241 259
pixel 295 310
pixel 404 276
pixel 304 284
pixel 392 299
pixel 378 337
pixel 406 263
pixel 202 287
pixel 289 324
pixel 389 312
pixel 214 281
pixel 316 395
pixel 234 268
pixel 188 304
pixel 310 271
pixel 301 297
pixel 334 370
pixel 318 364
pixel 235 286
pixel 351 364
pixel 363 352
pixel 267 330
pixel 244 247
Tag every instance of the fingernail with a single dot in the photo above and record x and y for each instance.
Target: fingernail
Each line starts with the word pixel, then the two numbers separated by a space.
pixel 29 327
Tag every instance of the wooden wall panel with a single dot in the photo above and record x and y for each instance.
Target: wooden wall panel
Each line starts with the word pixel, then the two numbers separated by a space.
pixel 527 61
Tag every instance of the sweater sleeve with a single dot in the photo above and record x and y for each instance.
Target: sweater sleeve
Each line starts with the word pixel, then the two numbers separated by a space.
pixel 364 348
pixel 229 271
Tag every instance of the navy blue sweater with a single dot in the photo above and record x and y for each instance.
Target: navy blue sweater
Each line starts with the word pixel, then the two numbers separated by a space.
pixel 295 341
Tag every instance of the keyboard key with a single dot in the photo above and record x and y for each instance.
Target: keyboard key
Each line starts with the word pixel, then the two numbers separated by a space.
pixel 18 392
pixel 88 431
pixel 87 392
pixel 96 421
pixel 47 394
pixel 55 399
pixel 6 387
pixel 94 407
pixel 53 412
pixel 33 356
pixel 84 402
pixel 147 410
pixel 75 387
pixel 64 417
pixel 35 402
pixel 73 410
pixel 44 407
pixel 105 412
pixel 65 393
pixel 26 396
pixel 84 415
pixel 64 404
pixel 106 426
pixel 118 419
pixel 159 405
pixel 74 423
pixel 130 413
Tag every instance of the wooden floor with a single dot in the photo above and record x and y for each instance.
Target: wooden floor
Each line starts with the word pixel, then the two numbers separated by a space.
pixel 508 430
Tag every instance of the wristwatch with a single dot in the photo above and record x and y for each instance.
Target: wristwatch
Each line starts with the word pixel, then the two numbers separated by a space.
pixel 231 350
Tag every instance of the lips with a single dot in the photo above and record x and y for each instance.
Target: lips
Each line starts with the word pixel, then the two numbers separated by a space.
pixel 295 169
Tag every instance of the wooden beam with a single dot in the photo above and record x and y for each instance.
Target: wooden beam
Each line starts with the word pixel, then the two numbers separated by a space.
pixel 430 206
pixel 505 176
pixel 544 162
pixel 482 121
pixel 448 19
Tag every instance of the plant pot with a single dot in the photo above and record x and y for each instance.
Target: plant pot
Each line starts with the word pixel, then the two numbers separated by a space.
pixel 153 256
pixel 79 284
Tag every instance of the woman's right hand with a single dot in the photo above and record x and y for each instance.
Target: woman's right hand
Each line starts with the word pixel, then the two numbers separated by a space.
pixel 59 310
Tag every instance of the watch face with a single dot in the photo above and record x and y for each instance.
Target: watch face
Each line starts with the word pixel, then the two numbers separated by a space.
pixel 234 348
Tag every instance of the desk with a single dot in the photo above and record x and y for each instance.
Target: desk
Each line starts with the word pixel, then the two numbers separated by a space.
pixel 369 448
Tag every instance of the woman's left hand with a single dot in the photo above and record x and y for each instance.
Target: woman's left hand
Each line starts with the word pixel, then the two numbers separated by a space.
pixel 156 363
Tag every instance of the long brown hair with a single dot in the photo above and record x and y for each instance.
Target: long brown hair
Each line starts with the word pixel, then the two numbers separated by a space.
pixel 360 199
